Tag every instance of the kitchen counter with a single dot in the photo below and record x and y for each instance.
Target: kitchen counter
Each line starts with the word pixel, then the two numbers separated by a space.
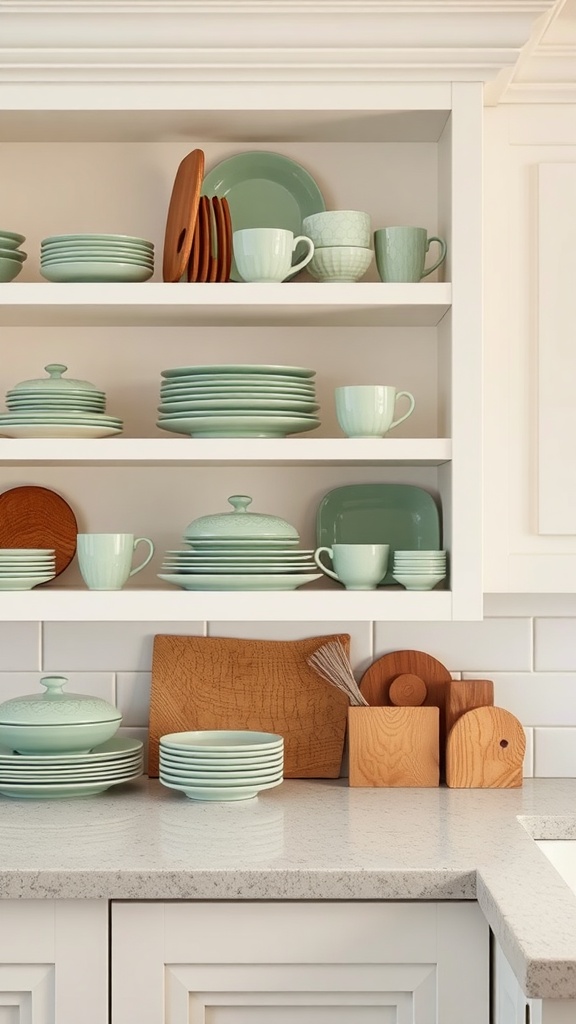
pixel 316 840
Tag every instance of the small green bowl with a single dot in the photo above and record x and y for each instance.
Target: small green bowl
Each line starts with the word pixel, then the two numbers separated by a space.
pixel 9 269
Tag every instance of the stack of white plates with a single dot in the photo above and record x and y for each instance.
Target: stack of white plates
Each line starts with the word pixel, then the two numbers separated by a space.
pixel 57 406
pixel 25 568
pixel 419 570
pixel 48 776
pixel 96 258
pixel 221 765
pixel 238 567
pixel 232 400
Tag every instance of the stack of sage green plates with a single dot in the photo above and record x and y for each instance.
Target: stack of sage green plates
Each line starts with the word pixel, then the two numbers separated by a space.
pixel 12 257
pixel 238 400
pixel 90 258
pixel 57 406
pixel 221 764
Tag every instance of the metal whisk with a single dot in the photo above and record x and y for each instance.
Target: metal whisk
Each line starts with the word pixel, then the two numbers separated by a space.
pixel 331 662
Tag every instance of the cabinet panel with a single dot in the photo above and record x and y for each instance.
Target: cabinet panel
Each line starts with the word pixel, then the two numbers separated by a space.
pixel 226 963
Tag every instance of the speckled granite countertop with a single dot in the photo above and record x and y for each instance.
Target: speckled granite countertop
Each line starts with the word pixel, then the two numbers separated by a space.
pixel 316 840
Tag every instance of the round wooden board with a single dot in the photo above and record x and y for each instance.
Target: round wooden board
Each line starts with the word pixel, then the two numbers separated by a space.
pixel 36 517
pixel 182 213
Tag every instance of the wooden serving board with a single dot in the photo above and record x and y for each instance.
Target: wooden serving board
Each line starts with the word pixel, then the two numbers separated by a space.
pixel 464 695
pixel 485 750
pixel 265 685
pixel 393 746
pixel 36 517
pixel 182 214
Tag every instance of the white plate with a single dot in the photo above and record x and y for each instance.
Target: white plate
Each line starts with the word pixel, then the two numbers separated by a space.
pixel 222 793
pixel 91 272
pixel 56 430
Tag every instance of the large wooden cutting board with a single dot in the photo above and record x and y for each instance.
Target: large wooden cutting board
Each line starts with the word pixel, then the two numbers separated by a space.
pixel 266 685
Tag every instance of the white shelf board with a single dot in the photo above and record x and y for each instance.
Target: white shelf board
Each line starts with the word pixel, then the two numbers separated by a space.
pixel 155 303
pixel 343 451
pixel 55 604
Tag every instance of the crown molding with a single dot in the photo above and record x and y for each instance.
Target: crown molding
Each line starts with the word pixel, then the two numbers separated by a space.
pixel 197 40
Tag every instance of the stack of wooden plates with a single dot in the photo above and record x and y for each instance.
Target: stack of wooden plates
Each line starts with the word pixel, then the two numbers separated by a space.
pixel 221 764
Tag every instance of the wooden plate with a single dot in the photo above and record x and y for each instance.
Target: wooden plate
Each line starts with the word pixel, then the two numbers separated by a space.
pixel 221 238
pixel 228 221
pixel 204 264
pixel 213 261
pixel 182 214
pixel 194 261
pixel 35 517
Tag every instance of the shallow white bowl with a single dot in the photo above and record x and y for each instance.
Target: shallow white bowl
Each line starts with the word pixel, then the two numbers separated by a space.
pixel 340 263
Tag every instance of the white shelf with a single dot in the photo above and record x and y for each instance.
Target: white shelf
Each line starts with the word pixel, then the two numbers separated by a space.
pixel 59 605
pixel 340 451
pixel 24 304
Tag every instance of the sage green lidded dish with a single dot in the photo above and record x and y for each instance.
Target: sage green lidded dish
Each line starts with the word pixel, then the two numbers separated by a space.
pixel 55 722
pixel 55 382
pixel 240 525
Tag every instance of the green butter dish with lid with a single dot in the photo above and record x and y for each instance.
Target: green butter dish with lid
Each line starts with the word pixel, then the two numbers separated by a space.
pixel 56 722
pixel 240 525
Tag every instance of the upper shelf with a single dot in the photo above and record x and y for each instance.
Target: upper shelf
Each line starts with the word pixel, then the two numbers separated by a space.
pixel 24 304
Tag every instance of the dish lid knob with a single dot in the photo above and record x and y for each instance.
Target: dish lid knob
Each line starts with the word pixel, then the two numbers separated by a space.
pixel 239 502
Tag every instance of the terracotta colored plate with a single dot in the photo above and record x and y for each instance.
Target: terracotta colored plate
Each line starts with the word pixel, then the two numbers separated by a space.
pixel 194 261
pixel 228 221
pixel 35 517
pixel 182 214
pixel 204 239
pixel 222 239
pixel 213 263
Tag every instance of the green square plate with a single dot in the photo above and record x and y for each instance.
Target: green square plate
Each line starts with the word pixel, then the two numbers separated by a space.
pixel 403 516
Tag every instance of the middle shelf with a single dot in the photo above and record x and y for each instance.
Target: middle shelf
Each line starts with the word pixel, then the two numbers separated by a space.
pixel 412 451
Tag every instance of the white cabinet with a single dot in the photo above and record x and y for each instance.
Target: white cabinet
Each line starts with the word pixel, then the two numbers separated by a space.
pixel 53 961
pixel 407 153
pixel 529 417
pixel 299 963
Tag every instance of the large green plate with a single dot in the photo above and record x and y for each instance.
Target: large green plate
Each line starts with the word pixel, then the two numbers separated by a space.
pixel 264 190
pixel 403 516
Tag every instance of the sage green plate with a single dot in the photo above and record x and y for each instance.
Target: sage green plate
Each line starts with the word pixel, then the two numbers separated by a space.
pixel 238 581
pixel 238 426
pixel 233 405
pixel 91 272
pixel 403 516
pixel 264 190
pixel 224 793
pixel 122 239
pixel 256 369
pixel 53 792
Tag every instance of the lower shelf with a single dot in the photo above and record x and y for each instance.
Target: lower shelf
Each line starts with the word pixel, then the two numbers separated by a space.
pixel 58 604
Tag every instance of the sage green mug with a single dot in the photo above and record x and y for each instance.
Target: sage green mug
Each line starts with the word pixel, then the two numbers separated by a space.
pixel 357 566
pixel 401 253
pixel 105 559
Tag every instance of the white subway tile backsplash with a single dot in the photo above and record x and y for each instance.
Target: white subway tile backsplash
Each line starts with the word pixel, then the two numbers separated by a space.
pixel 555 753
pixel 360 635
pixel 528 772
pixel 107 646
pixel 478 647
pixel 133 697
pixel 19 646
pixel 536 698
pixel 555 645
pixel 94 684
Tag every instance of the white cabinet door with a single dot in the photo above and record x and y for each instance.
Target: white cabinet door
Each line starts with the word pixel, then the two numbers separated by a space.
pixel 299 963
pixel 530 365
pixel 53 961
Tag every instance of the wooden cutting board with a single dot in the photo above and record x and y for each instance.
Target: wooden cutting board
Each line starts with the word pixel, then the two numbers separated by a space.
pixel 393 746
pixel 182 213
pixel 36 517
pixel 464 695
pixel 485 750
pixel 265 685
pixel 377 680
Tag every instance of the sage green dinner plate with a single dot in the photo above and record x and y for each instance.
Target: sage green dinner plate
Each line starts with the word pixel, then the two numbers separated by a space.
pixel 238 368
pixel 264 190
pixel 233 405
pixel 240 581
pixel 214 425
pixel 90 272
pixel 401 515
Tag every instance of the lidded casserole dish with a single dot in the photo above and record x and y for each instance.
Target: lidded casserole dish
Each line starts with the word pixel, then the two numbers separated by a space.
pixel 239 526
pixel 55 722
pixel 54 382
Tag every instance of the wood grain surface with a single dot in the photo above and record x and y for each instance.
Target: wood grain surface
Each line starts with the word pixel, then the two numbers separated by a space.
pixel 194 258
pixel 36 517
pixel 265 685
pixel 485 750
pixel 464 695
pixel 205 240
pixel 221 239
pixel 395 747
pixel 182 214
pixel 376 681
pixel 228 222
pixel 407 691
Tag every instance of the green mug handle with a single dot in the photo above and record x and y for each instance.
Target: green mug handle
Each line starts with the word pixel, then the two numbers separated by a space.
pixel 144 540
pixel 321 565
pixel 442 256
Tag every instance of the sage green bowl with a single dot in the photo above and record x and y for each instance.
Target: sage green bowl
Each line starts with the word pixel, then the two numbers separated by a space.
pixel 57 739
pixel 9 269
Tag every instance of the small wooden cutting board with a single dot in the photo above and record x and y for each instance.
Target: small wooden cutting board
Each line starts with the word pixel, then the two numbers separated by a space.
pixel 182 213
pixel 485 750
pixel 264 685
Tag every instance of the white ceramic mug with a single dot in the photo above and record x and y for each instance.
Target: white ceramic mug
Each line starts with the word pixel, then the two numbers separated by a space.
pixel 105 559
pixel 357 566
pixel 367 410
pixel 265 254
